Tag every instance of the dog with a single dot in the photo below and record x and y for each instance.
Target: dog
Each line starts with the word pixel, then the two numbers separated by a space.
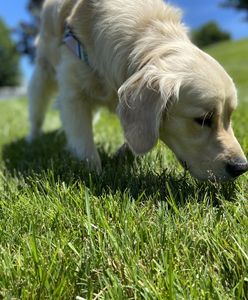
pixel 135 57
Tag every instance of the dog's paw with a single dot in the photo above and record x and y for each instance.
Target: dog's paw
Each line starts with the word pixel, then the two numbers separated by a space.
pixel 32 137
pixel 90 158
pixel 94 165
pixel 124 154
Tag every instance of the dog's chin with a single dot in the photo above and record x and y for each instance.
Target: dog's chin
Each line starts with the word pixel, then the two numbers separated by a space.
pixel 210 176
pixel 206 175
pixel 213 178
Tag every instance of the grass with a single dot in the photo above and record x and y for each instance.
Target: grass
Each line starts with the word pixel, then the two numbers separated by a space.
pixel 142 230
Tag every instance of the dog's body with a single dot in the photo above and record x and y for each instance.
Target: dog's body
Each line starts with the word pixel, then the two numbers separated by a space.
pixel 141 60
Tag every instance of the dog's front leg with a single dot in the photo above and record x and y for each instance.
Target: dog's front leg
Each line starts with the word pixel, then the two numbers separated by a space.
pixel 76 117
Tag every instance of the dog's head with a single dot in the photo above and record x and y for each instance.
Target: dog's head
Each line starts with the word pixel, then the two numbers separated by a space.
pixel 186 99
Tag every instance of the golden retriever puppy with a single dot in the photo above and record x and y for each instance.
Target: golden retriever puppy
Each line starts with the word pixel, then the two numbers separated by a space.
pixel 136 57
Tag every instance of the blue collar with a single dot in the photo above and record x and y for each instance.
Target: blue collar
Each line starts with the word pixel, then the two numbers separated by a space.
pixel 74 45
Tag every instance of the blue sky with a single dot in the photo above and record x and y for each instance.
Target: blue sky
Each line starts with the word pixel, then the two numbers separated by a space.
pixel 196 13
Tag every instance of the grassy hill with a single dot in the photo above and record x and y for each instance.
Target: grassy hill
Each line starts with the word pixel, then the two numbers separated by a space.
pixel 234 57
pixel 139 231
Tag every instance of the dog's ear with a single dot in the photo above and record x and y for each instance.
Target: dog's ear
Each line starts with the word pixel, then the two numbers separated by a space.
pixel 140 110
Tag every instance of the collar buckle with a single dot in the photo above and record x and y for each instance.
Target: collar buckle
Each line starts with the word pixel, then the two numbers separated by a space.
pixel 74 45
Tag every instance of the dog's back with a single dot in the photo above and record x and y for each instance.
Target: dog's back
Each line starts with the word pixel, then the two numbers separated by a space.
pixel 109 29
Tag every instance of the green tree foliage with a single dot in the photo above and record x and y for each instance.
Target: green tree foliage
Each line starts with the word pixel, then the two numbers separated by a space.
pixel 237 4
pixel 27 31
pixel 208 34
pixel 9 58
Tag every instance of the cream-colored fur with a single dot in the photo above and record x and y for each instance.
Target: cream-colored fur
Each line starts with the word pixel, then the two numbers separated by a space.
pixel 143 63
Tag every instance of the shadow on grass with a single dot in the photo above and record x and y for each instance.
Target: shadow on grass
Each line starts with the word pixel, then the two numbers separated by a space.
pixel 46 158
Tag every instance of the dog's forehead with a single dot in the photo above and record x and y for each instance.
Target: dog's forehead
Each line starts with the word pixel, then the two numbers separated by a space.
pixel 201 97
pixel 231 103
pixel 217 81
pixel 209 87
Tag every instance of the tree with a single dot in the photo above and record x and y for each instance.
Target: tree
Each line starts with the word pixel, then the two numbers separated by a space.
pixel 208 34
pixel 27 31
pixel 9 58
pixel 237 4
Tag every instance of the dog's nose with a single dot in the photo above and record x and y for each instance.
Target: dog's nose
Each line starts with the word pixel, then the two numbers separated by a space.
pixel 237 167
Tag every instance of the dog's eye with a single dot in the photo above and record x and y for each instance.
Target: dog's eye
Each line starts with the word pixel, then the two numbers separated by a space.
pixel 205 120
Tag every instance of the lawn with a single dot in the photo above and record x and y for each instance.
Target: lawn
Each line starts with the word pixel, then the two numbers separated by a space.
pixel 141 230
